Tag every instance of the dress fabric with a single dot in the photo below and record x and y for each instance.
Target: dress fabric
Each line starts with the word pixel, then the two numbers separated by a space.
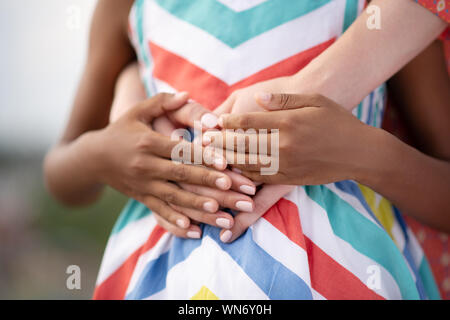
pixel 334 241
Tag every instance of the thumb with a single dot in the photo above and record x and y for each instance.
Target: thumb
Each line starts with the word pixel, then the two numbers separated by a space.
pixel 285 101
pixel 161 103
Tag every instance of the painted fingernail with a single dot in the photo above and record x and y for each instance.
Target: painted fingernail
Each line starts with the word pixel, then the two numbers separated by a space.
pixel 223 223
pixel 209 206
pixel 264 97
pixel 182 223
pixel 237 170
pixel 181 95
pixel 219 162
pixel 226 236
pixel 206 139
pixel 244 206
pixel 209 120
pixel 248 189
pixel 222 183
pixel 193 234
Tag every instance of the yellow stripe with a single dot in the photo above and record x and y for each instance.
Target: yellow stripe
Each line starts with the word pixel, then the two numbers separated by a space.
pixel 383 210
pixel 204 294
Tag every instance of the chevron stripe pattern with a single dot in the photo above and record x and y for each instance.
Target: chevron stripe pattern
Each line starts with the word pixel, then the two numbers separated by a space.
pixel 318 242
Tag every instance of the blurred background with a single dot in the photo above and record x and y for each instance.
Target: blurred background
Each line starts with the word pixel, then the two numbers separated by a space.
pixel 41 59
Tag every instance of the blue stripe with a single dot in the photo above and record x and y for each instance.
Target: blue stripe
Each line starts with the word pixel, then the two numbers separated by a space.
pixel 421 282
pixel 274 279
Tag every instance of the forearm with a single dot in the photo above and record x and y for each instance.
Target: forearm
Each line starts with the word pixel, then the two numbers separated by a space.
pixel 68 172
pixel 362 59
pixel 417 184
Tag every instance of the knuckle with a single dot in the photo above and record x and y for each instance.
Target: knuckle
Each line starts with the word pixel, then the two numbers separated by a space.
pixel 244 121
pixel 145 142
pixel 284 100
pixel 207 179
pixel 169 197
pixel 137 165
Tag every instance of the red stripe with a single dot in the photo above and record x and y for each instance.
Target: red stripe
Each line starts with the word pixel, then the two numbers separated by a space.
pixel 328 277
pixel 209 90
pixel 115 286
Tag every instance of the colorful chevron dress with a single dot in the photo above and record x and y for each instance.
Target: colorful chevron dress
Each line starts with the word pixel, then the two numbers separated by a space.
pixel 335 241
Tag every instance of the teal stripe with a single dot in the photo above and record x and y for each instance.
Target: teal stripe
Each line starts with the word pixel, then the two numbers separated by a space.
pixel 428 280
pixel 351 12
pixel 359 111
pixel 142 43
pixel 133 211
pixel 234 28
pixel 365 237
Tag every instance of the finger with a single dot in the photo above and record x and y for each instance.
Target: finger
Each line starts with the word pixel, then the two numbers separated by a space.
pixel 193 232
pixel 181 150
pixel 257 177
pixel 165 211
pixel 172 194
pixel 285 101
pixel 252 120
pixel 192 112
pixel 251 141
pixel 220 219
pixel 163 126
pixel 169 170
pixel 158 105
pixel 241 183
pixel 264 200
pixel 249 162
pixel 227 199
pixel 226 106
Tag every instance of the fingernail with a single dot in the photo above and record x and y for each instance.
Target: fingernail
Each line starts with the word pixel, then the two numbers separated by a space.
pixel 223 223
pixel 237 170
pixel 193 234
pixel 218 162
pixel 226 236
pixel 182 223
pixel 209 120
pixel 248 189
pixel 209 206
pixel 244 206
pixel 181 95
pixel 264 97
pixel 222 183
pixel 206 139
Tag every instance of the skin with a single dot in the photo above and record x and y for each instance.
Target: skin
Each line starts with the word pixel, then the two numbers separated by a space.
pixel 349 150
pixel 345 64
pixel 93 153
pixel 91 109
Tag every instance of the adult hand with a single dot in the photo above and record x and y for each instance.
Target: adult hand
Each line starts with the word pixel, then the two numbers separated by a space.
pixel 319 141
pixel 131 157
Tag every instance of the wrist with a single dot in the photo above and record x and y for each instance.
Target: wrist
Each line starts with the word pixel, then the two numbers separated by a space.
pixel 378 158
pixel 89 153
